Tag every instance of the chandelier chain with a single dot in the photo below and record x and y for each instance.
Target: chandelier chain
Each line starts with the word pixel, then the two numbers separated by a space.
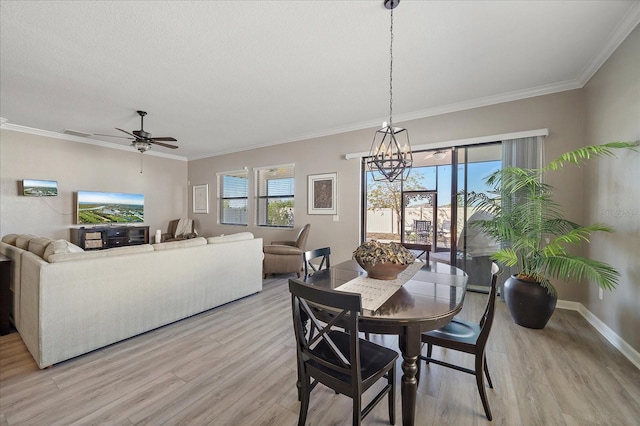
pixel 391 74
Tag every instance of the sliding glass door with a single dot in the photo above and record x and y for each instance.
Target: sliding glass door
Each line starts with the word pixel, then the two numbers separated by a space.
pixel 472 248
pixel 432 207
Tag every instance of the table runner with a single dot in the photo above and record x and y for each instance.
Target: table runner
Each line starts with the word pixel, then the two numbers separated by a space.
pixel 375 292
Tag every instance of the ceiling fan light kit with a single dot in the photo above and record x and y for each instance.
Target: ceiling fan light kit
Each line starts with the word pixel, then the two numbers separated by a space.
pixel 141 146
pixel 390 157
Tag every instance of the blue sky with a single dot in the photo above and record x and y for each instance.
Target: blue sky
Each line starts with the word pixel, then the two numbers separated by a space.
pixel 477 172
pixel 110 198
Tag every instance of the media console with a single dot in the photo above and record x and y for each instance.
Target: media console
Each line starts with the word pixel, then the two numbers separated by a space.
pixel 104 237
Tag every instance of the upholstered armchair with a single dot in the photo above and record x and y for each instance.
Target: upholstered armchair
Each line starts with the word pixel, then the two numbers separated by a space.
pixel 285 257
pixel 180 229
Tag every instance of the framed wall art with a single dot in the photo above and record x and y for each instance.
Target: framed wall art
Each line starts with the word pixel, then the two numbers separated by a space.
pixel 323 193
pixel 201 198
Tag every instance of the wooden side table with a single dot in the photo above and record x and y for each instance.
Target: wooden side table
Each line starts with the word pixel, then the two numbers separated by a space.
pixel 6 298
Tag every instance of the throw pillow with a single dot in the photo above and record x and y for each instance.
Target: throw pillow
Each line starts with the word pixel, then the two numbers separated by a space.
pixel 23 241
pixel 38 246
pixel 60 246
pixel 10 239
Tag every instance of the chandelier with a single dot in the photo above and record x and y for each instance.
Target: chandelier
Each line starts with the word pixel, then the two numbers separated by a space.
pixel 390 157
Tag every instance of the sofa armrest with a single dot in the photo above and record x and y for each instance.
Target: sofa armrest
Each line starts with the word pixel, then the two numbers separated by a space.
pixel 282 250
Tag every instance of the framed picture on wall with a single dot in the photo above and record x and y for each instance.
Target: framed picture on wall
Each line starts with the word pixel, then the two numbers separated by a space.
pixel 201 198
pixel 323 193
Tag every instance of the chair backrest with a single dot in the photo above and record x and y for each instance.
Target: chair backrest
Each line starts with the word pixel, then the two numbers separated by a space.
pixel 421 225
pixel 301 241
pixel 325 263
pixel 173 226
pixel 317 348
pixel 487 317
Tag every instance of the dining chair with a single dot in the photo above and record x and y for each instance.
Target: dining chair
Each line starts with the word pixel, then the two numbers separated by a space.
pixel 468 337
pixel 422 228
pixel 331 352
pixel 321 254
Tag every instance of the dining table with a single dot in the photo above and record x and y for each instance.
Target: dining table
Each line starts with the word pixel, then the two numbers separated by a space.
pixel 426 300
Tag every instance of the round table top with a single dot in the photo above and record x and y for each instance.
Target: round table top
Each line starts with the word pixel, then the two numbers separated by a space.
pixel 430 299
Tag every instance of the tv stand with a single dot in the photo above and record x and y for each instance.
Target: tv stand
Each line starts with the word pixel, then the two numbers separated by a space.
pixel 104 237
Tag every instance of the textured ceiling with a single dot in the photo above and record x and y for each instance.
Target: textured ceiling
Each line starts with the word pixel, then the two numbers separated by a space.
pixel 225 76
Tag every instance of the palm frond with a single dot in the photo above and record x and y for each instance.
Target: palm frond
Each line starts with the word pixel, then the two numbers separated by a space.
pixel 578 268
pixel 579 155
pixel 506 257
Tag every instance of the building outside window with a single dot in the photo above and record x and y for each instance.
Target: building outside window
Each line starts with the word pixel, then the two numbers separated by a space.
pixel 275 196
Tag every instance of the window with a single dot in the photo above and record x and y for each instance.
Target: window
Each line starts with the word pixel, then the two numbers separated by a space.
pixel 233 190
pixel 274 192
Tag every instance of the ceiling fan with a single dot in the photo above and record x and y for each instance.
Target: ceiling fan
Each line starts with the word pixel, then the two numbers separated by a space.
pixel 142 140
pixel 439 154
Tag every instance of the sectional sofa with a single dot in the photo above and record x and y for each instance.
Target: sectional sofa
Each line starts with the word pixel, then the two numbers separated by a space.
pixel 68 302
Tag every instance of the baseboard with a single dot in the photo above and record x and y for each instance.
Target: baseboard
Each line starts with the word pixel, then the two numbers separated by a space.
pixel 629 352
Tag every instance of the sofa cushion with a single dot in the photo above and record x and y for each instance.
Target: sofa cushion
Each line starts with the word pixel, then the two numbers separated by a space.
pixel 172 245
pixel 240 236
pixel 94 254
pixel 22 241
pixel 10 239
pixel 39 245
pixel 60 247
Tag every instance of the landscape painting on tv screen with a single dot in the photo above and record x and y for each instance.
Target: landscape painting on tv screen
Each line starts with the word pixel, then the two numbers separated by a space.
pixel 109 207
pixel 39 188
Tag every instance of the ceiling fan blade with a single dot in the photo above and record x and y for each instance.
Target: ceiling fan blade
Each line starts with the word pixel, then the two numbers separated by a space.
pixel 130 134
pixel 165 139
pixel 166 145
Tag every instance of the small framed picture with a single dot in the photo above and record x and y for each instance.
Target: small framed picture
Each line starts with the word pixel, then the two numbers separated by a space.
pixel 323 193
pixel 201 198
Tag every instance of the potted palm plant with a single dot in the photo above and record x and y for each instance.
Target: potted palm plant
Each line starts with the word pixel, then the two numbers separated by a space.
pixel 535 236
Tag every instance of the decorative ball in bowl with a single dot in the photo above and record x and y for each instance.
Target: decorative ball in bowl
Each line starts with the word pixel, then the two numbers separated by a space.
pixel 383 261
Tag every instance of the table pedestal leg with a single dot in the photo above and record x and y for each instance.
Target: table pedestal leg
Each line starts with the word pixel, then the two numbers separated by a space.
pixel 409 389
pixel 410 347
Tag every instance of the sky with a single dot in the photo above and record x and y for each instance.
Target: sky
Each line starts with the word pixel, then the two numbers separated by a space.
pixel 110 198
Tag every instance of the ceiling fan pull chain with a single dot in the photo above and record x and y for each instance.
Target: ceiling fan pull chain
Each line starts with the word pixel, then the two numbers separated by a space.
pixel 141 162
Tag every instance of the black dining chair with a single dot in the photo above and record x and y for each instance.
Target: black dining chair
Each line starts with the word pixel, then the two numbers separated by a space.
pixel 322 255
pixel 338 358
pixel 470 338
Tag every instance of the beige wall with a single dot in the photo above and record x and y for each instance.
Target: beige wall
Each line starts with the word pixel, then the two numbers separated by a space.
pixel 561 113
pixel 612 187
pixel 78 166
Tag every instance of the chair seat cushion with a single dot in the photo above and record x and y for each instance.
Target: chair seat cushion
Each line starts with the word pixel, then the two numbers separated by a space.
pixel 457 330
pixel 373 357
pixel 283 250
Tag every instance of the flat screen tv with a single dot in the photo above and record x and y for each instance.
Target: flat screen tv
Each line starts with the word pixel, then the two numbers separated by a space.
pixel 39 188
pixel 109 207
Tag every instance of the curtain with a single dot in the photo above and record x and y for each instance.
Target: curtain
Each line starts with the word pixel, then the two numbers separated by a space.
pixel 527 153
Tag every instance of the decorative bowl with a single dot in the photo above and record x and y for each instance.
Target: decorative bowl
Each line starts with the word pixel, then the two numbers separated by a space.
pixel 382 271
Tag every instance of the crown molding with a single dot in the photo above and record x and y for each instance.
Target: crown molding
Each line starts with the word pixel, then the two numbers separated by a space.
pixel 89 141
pixel 629 23
pixel 463 142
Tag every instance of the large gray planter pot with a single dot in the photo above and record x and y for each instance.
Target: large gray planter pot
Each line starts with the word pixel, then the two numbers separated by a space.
pixel 529 304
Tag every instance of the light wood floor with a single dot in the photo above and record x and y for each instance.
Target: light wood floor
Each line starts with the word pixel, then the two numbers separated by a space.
pixel 235 365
